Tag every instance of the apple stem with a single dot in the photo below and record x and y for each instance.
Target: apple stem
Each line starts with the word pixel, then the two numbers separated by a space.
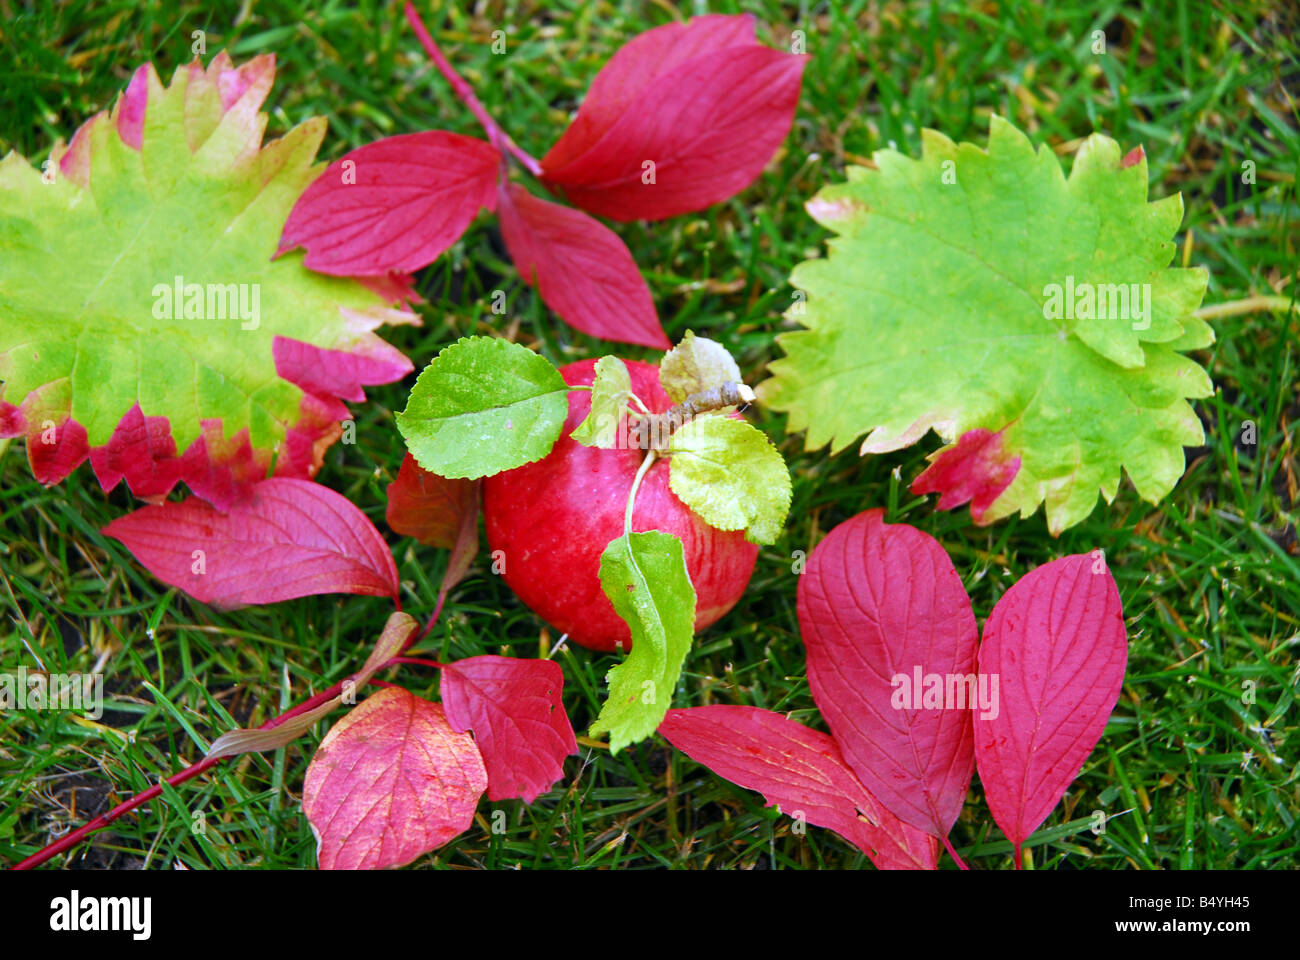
pixel 649 460
pixel 729 394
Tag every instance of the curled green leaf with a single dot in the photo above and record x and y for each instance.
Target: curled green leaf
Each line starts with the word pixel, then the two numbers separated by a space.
pixel 610 392
pixel 647 582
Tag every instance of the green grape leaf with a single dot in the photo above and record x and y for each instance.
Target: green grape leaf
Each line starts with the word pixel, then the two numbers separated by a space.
pixel 648 585
pixel 1031 320
pixel 143 322
pixel 729 473
pixel 481 406
pixel 610 392
pixel 695 365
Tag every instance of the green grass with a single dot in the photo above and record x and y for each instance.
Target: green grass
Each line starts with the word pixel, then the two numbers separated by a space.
pixel 1210 578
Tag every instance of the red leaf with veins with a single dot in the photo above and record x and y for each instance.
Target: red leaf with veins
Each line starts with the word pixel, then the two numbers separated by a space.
pixel 390 782
pixel 514 708
pixel 635 65
pixel 876 601
pixel 1056 641
pixel 582 269
pixel 439 512
pixel 293 538
pixel 802 771
pixel 976 469
pixel 428 507
pixel 412 198
pixel 704 101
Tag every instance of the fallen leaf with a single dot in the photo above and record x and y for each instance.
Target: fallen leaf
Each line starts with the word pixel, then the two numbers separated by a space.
pixel 390 782
pixel 802 771
pixel 514 708
pixel 581 268
pixel 878 602
pixel 393 205
pixel 293 538
pixel 1056 641
pixel 682 117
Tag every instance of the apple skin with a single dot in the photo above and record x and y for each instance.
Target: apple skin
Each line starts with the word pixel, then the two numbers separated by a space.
pixel 554 518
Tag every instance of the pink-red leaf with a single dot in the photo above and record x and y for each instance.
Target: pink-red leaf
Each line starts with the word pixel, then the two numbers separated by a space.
pixel 1056 641
pixel 336 373
pixel 393 205
pixel 439 512
pixel 292 538
pixel 703 102
pixel 801 770
pixel 391 781
pixel 581 268
pixel 428 507
pixel 514 708
pixel 879 601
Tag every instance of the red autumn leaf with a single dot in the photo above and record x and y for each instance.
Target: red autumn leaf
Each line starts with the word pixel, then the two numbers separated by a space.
pixel 393 205
pixel 582 269
pixel 879 601
pixel 1056 641
pixel 390 782
pixel 428 507
pixel 703 101
pixel 292 538
pixel 438 512
pixel 803 772
pixel 514 708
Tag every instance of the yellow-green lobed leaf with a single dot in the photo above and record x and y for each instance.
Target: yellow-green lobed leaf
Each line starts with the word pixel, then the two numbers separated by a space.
pixel 933 310
pixel 84 258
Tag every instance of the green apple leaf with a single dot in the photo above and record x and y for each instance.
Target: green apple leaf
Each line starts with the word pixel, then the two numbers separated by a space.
pixel 647 582
pixel 481 406
pixel 729 473
pixel 610 392
pixel 1031 320
pixel 143 320
pixel 695 365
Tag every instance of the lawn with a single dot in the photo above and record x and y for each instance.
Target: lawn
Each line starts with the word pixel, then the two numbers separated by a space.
pixel 1198 767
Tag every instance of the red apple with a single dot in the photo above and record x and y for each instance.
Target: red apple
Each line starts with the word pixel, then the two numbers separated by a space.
pixel 554 518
